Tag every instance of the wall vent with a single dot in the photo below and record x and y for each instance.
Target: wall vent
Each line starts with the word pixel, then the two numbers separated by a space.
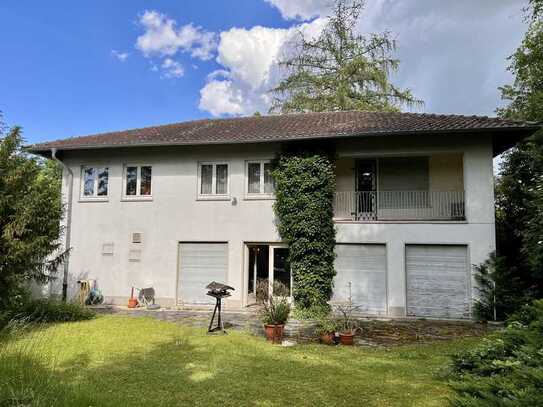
pixel 137 237
pixel 134 255
pixel 107 249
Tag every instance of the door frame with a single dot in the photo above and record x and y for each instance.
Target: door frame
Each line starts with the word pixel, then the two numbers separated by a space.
pixel 271 276
pixel 245 282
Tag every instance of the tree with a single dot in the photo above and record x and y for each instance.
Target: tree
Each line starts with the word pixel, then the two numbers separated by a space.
pixel 519 188
pixel 30 213
pixel 341 69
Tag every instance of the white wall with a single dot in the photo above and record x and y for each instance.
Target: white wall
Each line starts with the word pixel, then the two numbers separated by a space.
pixel 175 214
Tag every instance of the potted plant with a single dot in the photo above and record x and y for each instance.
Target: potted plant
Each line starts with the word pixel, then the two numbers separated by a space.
pixel 326 329
pixel 275 313
pixel 347 323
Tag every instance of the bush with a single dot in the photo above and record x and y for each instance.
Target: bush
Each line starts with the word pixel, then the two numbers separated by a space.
pixel 327 324
pixel 47 310
pixel 275 311
pixel 506 369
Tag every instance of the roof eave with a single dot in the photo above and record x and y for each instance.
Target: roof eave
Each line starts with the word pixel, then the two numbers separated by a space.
pixel 521 131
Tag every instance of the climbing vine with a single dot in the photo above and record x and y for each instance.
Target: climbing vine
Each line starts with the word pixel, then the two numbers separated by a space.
pixel 304 189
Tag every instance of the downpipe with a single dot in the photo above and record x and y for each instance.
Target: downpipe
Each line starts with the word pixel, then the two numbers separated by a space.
pixel 68 221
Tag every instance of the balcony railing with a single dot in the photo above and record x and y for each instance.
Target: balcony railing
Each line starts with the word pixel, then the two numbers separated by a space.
pixel 399 205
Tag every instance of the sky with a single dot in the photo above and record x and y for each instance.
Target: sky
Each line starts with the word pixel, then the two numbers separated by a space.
pixel 70 68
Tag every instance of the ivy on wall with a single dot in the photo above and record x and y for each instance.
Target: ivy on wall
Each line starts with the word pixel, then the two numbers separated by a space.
pixel 304 189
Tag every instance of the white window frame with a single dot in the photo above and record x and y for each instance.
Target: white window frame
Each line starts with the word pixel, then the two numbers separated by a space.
pixel 138 196
pixel 262 194
pixel 94 196
pixel 213 196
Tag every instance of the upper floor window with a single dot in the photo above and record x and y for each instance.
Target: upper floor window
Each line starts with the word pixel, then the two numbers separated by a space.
pixel 95 182
pixel 259 179
pixel 137 181
pixel 213 180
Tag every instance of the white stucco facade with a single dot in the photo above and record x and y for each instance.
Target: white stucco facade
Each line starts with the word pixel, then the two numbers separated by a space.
pixel 175 214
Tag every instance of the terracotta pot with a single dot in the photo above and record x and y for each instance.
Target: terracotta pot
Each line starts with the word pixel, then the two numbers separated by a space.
pixel 274 333
pixel 132 302
pixel 328 338
pixel 346 338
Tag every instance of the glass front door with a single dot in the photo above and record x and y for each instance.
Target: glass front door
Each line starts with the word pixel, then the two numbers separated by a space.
pixel 366 189
pixel 280 282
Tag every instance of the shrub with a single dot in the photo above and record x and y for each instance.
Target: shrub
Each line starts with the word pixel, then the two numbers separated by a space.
pixel 506 369
pixel 47 310
pixel 276 311
pixel 327 324
pixel 305 186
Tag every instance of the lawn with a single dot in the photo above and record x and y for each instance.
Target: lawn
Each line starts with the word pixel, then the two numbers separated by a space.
pixel 118 361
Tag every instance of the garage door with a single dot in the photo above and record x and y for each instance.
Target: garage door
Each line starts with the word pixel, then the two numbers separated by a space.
pixel 200 264
pixel 361 271
pixel 437 281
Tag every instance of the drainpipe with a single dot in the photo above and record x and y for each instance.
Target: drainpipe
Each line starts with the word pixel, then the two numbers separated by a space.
pixel 68 221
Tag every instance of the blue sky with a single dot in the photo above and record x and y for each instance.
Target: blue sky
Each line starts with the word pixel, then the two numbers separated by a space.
pixel 74 68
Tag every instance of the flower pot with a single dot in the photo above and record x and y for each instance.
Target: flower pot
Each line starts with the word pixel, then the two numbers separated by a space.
pixel 274 333
pixel 346 338
pixel 328 338
pixel 132 302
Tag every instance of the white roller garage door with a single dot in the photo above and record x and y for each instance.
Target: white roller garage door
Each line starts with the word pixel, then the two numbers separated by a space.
pixel 200 264
pixel 364 267
pixel 438 281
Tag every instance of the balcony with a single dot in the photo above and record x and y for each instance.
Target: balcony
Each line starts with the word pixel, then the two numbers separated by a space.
pixel 371 206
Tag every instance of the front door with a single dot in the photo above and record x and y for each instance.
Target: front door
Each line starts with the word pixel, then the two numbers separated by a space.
pixel 366 189
pixel 268 272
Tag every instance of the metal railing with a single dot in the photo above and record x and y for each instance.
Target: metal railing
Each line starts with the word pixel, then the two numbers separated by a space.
pixel 399 205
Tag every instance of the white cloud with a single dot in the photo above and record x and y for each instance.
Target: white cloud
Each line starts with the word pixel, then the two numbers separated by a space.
pixel 249 59
pixel 162 38
pixel 121 56
pixel 249 54
pixel 172 69
pixel 453 54
pixel 221 97
pixel 302 9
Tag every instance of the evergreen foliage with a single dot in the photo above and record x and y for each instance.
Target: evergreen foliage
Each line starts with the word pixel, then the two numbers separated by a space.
pixel 30 213
pixel 519 187
pixel 506 370
pixel 305 186
pixel 341 69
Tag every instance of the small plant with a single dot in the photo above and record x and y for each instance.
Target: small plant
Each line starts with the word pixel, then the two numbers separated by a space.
pixel 48 310
pixel 327 325
pixel 346 322
pixel 484 307
pixel 275 311
pixel 262 290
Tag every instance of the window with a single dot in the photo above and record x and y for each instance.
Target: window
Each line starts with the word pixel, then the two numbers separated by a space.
pixel 213 180
pixel 259 180
pixel 403 182
pixel 137 181
pixel 94 183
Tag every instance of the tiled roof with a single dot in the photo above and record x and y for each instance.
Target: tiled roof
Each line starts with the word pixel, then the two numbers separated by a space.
pixel 302 126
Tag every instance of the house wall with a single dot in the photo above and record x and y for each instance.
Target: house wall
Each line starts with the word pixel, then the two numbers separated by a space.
pixel 175 215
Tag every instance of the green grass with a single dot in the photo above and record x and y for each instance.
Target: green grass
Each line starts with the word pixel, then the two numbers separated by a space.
pixel 120 361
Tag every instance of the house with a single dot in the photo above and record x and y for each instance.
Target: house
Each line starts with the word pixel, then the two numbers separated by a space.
pixel 178 206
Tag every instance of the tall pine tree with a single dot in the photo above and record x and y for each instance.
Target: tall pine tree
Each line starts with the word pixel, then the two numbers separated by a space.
pixel 341 69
